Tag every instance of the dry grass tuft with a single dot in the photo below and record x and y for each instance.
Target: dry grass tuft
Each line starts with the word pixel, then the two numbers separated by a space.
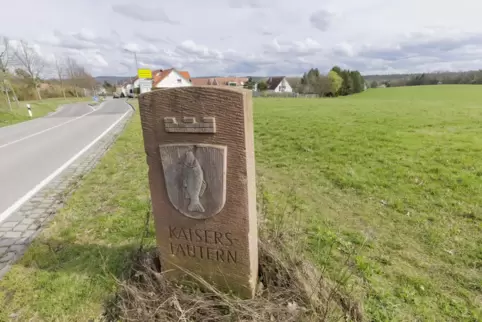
pixel 288 291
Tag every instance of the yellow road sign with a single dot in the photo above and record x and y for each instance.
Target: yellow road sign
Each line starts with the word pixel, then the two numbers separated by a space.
pixel 144 73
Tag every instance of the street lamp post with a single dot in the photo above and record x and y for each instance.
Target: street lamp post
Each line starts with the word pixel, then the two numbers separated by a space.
pixel 137 67
pixel 135 57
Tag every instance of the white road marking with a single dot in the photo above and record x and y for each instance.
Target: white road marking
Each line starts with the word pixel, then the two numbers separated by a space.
pixel 4 215
pixel 46 130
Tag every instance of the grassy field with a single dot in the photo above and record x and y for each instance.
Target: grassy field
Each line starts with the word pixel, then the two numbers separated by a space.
pixel 393 175
pixel 39 109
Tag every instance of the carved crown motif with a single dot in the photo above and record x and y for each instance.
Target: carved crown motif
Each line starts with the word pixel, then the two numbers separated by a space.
pixel 190 125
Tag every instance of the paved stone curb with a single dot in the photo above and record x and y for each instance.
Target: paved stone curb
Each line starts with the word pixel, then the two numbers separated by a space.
pixel 18 230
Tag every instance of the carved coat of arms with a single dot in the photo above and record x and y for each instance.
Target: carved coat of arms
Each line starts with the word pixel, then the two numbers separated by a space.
pixel 195 176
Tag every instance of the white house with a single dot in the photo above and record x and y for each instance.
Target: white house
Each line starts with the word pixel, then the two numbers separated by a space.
pixel 171 78
pixel 127 89
pixel 124 88
pixel 279 85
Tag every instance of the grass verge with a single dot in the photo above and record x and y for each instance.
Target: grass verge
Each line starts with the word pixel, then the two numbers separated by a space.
pixel 69 269
pixel 39 109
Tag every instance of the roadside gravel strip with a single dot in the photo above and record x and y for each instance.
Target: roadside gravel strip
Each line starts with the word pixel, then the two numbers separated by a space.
pixel 20 228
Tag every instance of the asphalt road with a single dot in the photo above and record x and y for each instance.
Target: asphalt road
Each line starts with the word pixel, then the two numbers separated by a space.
pixel 31 153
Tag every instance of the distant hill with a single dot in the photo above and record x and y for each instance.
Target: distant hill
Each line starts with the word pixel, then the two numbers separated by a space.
pixel 389 77
pixel 112 79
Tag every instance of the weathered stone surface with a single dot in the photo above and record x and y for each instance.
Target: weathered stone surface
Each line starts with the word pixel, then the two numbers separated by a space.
pixel 16 248
pixel 7 257
pixel 27 221
pixel 6 241
pixel 20 227
pixel 203 184
pixel 12 234
pixel 28 233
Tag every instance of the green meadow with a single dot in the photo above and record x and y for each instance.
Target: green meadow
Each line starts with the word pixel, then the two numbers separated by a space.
pixel 387 185
pixel 393 176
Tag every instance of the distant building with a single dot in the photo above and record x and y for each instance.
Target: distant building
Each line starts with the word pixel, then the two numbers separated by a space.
pixel 220 81
pixel 279 84
pixel 127 89
pixel 171 78
pixel 160 79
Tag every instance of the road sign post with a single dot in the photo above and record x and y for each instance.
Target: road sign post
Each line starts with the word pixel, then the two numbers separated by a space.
pixel 145 85
pixel 29 110
pixel 144 73
pixel 145 80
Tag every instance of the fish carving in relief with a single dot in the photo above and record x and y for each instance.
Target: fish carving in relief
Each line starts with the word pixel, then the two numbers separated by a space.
pixel 193 182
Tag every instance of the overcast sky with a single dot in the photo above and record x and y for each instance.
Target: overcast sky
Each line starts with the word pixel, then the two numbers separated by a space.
pixel 253 37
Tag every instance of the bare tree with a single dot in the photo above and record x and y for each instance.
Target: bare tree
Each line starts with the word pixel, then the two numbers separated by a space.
pixel 72 66
pixel 84 79
pixel 31 61
pixel 4 60
pixel 59 66
pixel 4 54
pixel 78 76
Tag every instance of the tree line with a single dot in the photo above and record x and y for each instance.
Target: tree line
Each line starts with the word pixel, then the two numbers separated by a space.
pixel 338 82
pixel 22 71
pixel 468 77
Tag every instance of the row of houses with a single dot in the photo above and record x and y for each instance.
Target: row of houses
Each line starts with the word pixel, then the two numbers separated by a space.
pixel 178 78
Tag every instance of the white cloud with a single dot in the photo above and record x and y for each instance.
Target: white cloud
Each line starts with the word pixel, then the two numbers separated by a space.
pixel 322 19
pixel 344 49
pixel 99 61
pixel 138 12
pixel 191 50
pixel 254 37
pixel 86 35
pixel 252 4
pixel 135 48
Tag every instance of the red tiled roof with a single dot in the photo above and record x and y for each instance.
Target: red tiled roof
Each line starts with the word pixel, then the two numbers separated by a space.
pixel 200 81
pixel 159 75
pixel 184 74
pixel 220 81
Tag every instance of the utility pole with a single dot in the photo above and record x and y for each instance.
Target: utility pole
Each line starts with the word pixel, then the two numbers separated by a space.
pixel 135 57
pixel 137 68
